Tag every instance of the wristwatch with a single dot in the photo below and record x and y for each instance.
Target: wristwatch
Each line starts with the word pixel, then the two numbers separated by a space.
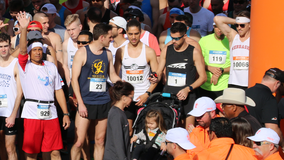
pixel 66 114
pixel 222 69
pixel 190 88
pixel 149 93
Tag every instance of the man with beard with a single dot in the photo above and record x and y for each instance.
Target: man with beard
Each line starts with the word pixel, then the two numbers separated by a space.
pixel 216 53
pixel 135 60
pixel 182 61
pixel 203 111
pixel 266 146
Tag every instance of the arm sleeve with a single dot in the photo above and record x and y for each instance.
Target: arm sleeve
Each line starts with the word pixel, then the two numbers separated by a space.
pixel 270 112
pixel 117 127
pixel 153 42
pixel 23 59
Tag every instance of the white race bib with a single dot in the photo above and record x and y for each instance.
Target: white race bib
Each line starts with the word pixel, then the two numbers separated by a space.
pixel 217 57
pixel 176 79
pixel 43 111
pixel 135 76
pixel 3 101
pixel 241 62
pixel 97 85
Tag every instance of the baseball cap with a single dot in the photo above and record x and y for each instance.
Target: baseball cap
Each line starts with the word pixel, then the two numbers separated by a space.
pixel 176 11
pixel 179 136
pixel 265 134
pixel 34 35
pixel 278 74
pixel 201 106
pixel 119 21
pixel 35 24
pixel 135 12
pixel 49 9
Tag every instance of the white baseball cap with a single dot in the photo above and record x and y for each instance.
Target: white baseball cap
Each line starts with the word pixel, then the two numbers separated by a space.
pixel 119 21
pixel 50 9
pixel 201 106
pixel 179 136
pixel 265 134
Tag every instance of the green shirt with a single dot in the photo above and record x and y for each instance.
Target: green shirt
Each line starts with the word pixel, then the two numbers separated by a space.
pixel 216 54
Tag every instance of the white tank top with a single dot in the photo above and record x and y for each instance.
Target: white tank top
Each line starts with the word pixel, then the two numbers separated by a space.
pixel 71 50
pixel 239 56
pixel 145 38
pixel 8 89
pixel 136 71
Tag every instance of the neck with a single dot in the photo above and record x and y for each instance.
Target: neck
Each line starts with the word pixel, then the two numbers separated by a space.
pixel 118 40
pixel 52 25
pixel 36 63
pixel 246 35
pixel 268 84
pixel 120 105
pixel 136 45
pixel 5 59
pixel 239 110
pixel 219 38
pixel 195 9
pixel 92 25
pixel 97 45
pixel 178 152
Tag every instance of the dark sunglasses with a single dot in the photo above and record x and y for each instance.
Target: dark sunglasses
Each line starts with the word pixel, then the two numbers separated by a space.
pixel 83 42
pixel 177 38
pixel 240 2
pixel 241 25
pixel 15 29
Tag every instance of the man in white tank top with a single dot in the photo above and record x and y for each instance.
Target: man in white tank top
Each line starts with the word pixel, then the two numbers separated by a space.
pixel 135 60
pixel 73 27
pixel 239 47
pixel 10 96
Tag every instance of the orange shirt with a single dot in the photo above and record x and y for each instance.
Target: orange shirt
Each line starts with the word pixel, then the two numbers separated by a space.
pixel 275 156
pixel 218 150
pixel 200 138
pixel 185 156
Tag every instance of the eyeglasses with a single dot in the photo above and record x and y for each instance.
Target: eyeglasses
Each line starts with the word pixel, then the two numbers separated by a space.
pixel 261 143
pixel 241 25
pixel 240 2
pixel 177 38
pixel 168 142
pixel 83 42
pixel 16 29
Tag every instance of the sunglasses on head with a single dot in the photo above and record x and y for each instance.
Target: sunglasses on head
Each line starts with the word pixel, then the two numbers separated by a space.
pixel 177 38
pixel 83 42
pixel 241 25
pixel 15 29
pixel 240 2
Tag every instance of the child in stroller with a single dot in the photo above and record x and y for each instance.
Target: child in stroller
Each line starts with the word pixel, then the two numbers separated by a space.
pixel 152 137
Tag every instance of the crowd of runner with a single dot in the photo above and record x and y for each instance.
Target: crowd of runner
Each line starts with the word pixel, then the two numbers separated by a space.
pixel 91 65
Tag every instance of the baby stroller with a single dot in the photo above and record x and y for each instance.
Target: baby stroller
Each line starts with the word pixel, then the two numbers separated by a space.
pixel 170 110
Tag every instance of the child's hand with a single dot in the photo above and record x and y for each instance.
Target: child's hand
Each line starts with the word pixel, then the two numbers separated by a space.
pixel 133 139
pixel 163 146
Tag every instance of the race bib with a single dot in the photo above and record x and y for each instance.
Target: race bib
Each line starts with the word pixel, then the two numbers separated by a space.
pixel 134 76
pixel 3 101
pixel 217 57
pixel 176 79
pixel 241 62
pixel 43 111
pixel 97 85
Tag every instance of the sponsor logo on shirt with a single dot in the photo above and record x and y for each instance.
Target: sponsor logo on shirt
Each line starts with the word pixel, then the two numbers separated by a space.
pixel 177 65
pixel 274 118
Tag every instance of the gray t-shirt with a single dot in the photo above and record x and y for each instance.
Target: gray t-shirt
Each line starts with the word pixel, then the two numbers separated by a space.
pixel 59 30
pixel 151 133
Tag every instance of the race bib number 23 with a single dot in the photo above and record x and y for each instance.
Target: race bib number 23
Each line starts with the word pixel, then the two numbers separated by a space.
pixel 97 85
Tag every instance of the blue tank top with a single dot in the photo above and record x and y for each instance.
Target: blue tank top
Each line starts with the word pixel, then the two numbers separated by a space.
pixel 61 14
pixel 169 38
pixel 147 8
pixel 92 80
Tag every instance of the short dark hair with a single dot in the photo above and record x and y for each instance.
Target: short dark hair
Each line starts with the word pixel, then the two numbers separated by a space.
pixel 244 14
pixel 221 126
pixel 101 29
pixel 94 15
pixel 185 19
pixel 119 89
pixel 34 40
pixel 5 37
pixel 179 27
pixel 133 23
pixel 16 5
pixel 85 32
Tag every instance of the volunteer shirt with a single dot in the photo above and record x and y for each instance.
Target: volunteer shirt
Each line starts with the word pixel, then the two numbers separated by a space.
pixel 8 89
pixel 202 21
pixel 219 148
pixel 38 82
pixel 216 54
pixel 185 156
pixel 239 56
pixel 274 156
pixel 200 138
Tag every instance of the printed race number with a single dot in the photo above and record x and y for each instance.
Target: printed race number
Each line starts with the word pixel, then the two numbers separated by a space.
pixel 217 57
pixel 176 79
pixel 43 111
pixel 3 101
pixel 135 76
pixel 241 62
pixel 97 85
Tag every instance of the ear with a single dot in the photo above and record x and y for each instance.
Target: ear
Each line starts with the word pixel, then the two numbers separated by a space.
pixel 278 83
pixel 234 108
pixel 80 26
pixel 271 147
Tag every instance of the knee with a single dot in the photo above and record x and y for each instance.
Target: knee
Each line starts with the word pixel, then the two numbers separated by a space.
pixel 55 153
pixel 10 149
pixel 79 144
pixel 100 140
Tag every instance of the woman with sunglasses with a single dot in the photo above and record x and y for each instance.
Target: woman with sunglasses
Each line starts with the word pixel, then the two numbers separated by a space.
pixel 239 47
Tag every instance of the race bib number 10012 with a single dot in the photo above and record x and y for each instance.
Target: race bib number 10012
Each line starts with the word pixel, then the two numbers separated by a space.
pixel 97 85
pixel 135 76
pixel 176 79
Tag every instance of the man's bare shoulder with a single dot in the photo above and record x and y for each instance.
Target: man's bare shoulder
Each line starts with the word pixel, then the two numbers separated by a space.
pixel 193 43
pixel 53 36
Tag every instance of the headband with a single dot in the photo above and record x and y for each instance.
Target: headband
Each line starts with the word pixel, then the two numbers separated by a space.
pixel 33 45
pixel 242 20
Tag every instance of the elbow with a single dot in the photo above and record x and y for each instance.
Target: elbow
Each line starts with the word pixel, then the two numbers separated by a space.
pixel 216 19
pixel 204 78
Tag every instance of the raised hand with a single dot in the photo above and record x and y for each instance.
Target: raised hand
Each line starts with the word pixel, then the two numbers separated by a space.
pixel 23 20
